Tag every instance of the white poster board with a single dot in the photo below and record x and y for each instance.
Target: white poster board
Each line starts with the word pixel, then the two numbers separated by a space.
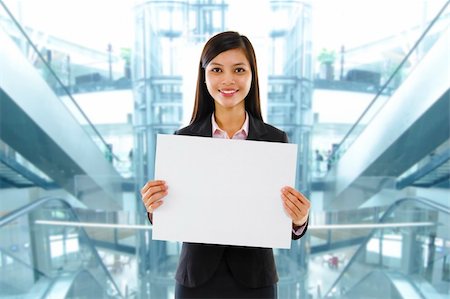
pixel 224 191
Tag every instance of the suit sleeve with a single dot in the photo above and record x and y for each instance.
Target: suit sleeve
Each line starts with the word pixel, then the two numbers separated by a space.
pixel 285 138
pixel 298 232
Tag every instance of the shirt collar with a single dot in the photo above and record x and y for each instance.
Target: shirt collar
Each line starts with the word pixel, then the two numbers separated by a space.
pixel 244 128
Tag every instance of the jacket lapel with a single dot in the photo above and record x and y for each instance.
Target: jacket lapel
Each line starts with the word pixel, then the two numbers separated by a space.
pixel 256 130
pixel 203 128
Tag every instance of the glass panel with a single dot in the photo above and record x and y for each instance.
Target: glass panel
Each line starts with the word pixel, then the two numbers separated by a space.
pixel 45 257
pixel 404 258
pixel 76 69
pixel 365 70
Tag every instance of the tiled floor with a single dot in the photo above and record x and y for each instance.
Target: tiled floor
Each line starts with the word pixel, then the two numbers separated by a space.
pixel 323 272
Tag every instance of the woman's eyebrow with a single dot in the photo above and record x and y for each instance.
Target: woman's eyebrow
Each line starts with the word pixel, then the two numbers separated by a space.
pixel 218 64
pixel 240 63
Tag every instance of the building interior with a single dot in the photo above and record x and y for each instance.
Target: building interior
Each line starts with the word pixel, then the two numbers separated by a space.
pixel 362 87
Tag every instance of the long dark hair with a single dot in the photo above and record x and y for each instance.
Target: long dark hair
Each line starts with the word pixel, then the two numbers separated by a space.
pixel 204 103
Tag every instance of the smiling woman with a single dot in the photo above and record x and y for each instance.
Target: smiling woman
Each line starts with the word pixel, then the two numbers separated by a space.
pixel 227 105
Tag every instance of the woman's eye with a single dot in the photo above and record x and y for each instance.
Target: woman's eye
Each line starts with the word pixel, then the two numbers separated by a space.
pixel 240 70
pixel 216 70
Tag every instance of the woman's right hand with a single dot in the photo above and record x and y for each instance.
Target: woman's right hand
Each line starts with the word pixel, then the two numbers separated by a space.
pixel 152 194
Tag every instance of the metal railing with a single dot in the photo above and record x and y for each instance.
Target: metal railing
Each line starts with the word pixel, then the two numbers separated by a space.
pixel 40 203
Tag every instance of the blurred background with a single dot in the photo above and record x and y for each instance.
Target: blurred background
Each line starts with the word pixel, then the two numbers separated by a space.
pixel 361 86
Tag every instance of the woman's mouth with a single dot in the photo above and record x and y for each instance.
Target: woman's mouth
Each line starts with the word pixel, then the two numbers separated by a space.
pixel 228 92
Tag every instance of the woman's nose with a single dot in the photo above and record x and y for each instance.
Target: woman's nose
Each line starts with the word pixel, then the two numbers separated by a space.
pixel 228 78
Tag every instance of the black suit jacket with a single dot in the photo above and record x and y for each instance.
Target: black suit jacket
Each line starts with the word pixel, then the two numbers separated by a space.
pixel 252 266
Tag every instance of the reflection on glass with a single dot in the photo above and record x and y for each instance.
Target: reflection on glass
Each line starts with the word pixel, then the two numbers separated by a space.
pixel 401 258
pixel 383 75
pixel 42 258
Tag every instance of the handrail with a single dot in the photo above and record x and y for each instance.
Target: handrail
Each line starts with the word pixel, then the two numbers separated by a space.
pixel 26 209
pixel 381 90
pixel 58 80
pixel 22 211
pixel 2 251
pixel 421 200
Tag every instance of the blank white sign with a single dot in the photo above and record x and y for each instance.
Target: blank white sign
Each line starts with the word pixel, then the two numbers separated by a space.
pixel 224 191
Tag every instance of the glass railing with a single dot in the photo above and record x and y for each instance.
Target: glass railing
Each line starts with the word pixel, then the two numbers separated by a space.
pixel 55 261
pixel 119 233
pixel 407 254
pixel 54 70
pixel 14 160
pixel 384 77
pixel 324 239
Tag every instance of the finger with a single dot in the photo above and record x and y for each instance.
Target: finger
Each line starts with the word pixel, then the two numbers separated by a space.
pixel 153 191
pixel 293 202
pixel 152 207
pixel 295 211
pixel 150 184
pixel 297 194
pixel 155 197
pixel 302 198
pixel 290 211
pixel 299 217
pixel 300 209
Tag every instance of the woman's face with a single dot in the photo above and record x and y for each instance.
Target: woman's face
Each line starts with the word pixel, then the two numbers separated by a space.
pixel 228 77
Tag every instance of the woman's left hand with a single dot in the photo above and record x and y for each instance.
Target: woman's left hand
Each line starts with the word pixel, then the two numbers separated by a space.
pixel 296 205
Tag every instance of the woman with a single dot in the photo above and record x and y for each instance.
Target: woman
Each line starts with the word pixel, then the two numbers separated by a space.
pixel 227 105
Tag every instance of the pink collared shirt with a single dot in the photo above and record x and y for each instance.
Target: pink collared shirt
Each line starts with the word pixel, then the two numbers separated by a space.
pixel 242 134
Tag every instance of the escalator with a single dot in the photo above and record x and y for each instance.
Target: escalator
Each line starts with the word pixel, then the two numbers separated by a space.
pixel 45 138
pixel 385 148
pixel 43 261
pixel 410 261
